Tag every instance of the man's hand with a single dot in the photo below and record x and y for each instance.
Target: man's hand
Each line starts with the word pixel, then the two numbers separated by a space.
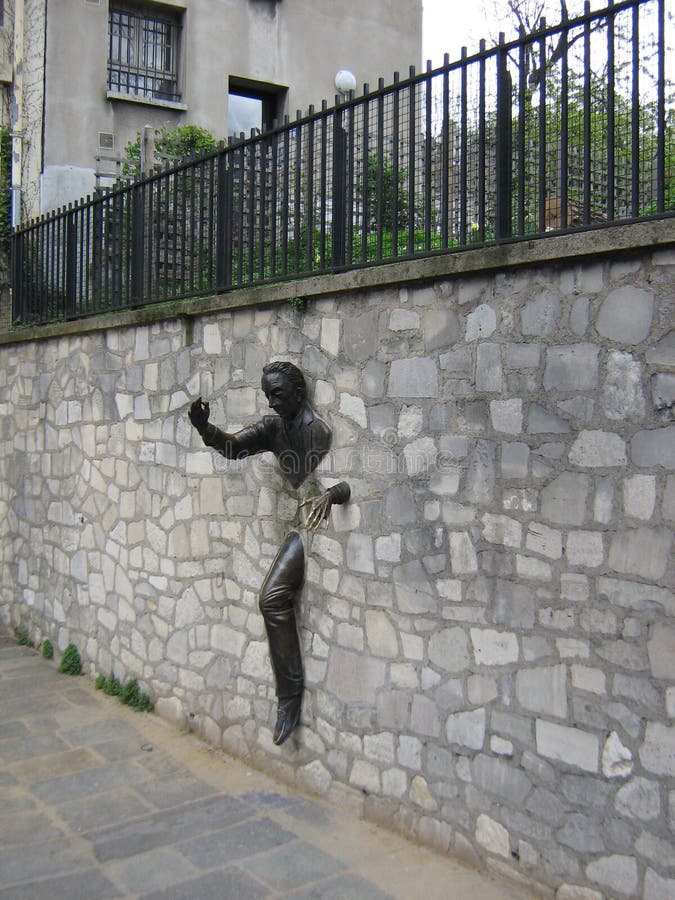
pixel 319 510
pixel 199 414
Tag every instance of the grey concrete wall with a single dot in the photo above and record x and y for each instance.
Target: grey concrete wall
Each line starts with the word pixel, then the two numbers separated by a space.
pixel 295 44
pixel 488 626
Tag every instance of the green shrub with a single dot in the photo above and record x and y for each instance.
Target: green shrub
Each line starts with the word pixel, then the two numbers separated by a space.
pixel 47 649
pixel 129 693
pixel 71 664
pixel 21 636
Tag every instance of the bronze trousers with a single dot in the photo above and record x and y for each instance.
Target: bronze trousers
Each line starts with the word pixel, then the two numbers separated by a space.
pixel 277 605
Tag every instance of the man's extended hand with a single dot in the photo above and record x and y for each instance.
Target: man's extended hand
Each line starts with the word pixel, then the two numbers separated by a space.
pixel 199 414
pixel 319 510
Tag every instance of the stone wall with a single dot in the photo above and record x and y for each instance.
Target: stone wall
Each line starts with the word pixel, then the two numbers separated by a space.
pixel 488 626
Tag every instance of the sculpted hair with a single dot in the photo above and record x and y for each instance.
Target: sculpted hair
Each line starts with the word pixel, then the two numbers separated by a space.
pixel 289 371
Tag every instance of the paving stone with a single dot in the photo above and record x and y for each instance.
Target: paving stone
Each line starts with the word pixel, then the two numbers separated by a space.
pixel 149 871
pixel 344 887
pixel 109 808
pixel 55 857
pixel 250 838
pixel 167 827
pixel 87 783
pixel 293 866
pixel 173 790
pixel 78 886
pixel 215 886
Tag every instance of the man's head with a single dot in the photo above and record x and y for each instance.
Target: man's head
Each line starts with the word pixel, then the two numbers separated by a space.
pixel 284 386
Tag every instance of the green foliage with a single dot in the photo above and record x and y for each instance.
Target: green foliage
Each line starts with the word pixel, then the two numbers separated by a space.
pixel 129 693
pixel 21 636
pixel 297 303
pixel 391 188
pixel 71 664
pixel 47 649
pixel 179 143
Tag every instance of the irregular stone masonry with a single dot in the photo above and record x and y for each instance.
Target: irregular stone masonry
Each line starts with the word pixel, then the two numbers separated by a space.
pixel 488 626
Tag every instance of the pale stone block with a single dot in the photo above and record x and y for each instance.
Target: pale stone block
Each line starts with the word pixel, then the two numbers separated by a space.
pixel 574 588
pixel 639 496
pixel 532 568
pixel 654 447
pixel 493 836
pixel 388 548
pixel 644 552
pixel 125 405
pixel 543 690
pixel 617 760
pixel 227 640
pixel 571 746
pixel 394 783
pixel 410 752
pixel 410 422
pixel 585 548
pixel 586 678
pixel 563 501
pixel 420 456
pixel 594 449
pixel 360 553
pixel 626 315
pixel 467 729
pixel 494 648
pixel 404 320
pixel 328 548
pixel 463 557
pixel 489 377
pixel 199 463
pixel 354 408
pixel 499 529
pixel 657 887
pixel 507 415
pixel 324 393
pixel 366 776
pixel 420 794
pixel 381 634
pixel 330 335
pixel 661 651
pixel 413 646
pixel 448 650
pixel 544 540
pixel 657 753
pixel 622 396
pixel 413 377
pixel 211 341
pixel 480 323
pixel 353 677
pixel 618 873
pixel 501 746
pixel 481 689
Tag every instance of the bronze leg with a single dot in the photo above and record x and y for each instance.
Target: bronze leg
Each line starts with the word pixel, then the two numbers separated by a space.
pixel 277 599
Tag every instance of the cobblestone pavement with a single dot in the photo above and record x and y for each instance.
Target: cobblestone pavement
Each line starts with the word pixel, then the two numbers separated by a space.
pixel 98 801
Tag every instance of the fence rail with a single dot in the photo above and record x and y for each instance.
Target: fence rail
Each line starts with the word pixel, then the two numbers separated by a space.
pixel 568 128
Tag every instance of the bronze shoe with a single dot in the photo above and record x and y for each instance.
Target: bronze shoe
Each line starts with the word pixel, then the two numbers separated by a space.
pixel 288 718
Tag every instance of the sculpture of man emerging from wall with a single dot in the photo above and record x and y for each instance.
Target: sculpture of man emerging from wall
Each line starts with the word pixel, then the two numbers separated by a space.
pixel 299 439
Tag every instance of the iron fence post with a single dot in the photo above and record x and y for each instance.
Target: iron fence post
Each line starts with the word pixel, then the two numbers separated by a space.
pixel 137 245
pixel 339 186
pixel 71 266
pixel 18 286
pixel 504 147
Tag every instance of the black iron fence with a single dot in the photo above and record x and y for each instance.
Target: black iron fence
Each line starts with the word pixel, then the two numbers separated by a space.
pixel 571 127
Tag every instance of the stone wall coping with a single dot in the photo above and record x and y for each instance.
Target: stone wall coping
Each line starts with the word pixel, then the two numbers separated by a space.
pixel 655 233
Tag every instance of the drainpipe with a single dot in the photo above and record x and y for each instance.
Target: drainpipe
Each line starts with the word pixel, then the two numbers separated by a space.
pixel 17 112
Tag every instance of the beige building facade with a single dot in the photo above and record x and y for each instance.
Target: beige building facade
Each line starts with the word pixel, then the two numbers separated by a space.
pixel 81 78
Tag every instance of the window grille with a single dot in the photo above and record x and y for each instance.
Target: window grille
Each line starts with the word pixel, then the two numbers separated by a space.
pixel 143 57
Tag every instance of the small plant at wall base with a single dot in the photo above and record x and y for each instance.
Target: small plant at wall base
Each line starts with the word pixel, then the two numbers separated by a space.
pixel 71 664
pixel 21 636
pixel 129 692
pixel 48 649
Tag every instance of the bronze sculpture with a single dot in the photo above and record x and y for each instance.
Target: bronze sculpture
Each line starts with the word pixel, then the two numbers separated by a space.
pixel 299 439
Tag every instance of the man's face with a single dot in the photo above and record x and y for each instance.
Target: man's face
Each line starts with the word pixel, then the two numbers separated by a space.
pixel 282 396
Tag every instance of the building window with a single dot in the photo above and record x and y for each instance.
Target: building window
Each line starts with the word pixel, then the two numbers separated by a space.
pixel 252 106
pixel 143 56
